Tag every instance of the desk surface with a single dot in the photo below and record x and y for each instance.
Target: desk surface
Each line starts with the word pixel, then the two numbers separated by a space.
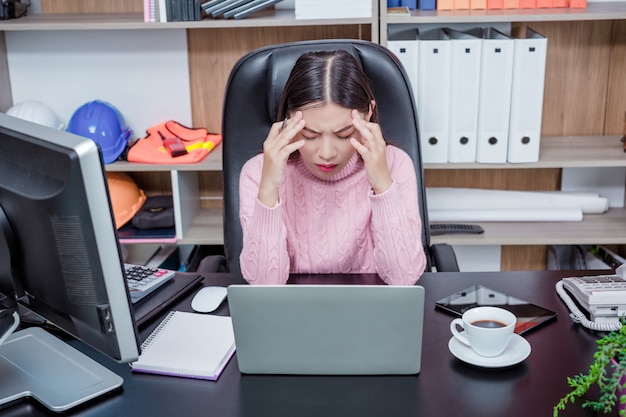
pixel 444 387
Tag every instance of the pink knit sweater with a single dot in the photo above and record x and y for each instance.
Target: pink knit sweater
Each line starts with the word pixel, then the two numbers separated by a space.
pixel 335 225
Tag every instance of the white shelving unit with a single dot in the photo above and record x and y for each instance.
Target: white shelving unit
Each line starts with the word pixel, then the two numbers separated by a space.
pixel 556 152
pixel 121 21
pixel 197 225
pixel 204 226
pixel 594 11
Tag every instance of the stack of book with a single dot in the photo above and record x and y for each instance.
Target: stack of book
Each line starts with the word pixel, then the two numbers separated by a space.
pixel 333 9
pixel 190 10
pixel 235 9
pixel 172 10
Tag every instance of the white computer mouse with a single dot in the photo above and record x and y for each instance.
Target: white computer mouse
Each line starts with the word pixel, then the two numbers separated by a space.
pixel 208 299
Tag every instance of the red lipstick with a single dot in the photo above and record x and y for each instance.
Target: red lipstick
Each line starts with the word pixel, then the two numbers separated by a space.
pixel 326 167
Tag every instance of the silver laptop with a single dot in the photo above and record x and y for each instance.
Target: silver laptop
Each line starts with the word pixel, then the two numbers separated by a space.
pixel 327 329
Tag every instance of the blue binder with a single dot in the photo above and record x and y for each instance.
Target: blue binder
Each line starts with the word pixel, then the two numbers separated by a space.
pixel 428 4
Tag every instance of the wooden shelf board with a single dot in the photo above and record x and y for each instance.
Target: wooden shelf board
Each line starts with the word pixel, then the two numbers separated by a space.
pixel 212 162
pixel 594 11
pixel 114 21
pixel 556 152
pixel 608 228
pixel 562 152
pixel 205 229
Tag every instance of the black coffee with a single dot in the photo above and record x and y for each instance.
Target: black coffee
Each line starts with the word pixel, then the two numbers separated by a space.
pixel 490 324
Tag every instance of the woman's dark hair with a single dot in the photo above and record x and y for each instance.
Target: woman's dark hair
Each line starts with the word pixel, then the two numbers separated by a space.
pixel 321 77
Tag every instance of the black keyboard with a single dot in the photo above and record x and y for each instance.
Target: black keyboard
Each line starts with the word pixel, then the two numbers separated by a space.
pixel 447 228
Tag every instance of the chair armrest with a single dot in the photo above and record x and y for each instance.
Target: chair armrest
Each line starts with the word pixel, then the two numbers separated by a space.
pixel 444 258
pixel 212 263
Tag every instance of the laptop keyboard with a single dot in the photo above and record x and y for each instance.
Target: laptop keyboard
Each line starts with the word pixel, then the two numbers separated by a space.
pixel 142 280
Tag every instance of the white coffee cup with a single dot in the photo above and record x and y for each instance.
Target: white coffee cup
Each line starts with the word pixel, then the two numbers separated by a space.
pixel 488 330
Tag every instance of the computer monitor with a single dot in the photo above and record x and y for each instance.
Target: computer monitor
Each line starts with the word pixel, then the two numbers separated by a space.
pixel 59 258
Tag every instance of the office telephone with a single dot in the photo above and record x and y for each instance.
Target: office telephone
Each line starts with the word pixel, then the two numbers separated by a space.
pixel 603 297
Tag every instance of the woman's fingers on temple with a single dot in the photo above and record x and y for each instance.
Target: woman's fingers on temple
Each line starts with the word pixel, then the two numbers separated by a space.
pixel 294 146
pixel 360 148
pixel 289 128
pixel 360 125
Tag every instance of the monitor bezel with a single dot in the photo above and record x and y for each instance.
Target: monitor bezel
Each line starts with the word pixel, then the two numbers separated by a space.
pixel 111 266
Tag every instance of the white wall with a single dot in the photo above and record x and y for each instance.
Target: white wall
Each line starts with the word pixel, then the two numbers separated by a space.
pixel 607 182
pixel 144 73
pixel 478 258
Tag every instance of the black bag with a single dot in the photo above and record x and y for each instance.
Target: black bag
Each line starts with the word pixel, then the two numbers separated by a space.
pixel 156 213
pixel 10 9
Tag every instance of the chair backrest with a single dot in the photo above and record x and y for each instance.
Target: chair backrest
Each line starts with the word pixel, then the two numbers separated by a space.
pixel 251 102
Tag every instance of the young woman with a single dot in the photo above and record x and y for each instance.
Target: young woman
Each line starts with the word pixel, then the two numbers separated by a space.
pixel 328 195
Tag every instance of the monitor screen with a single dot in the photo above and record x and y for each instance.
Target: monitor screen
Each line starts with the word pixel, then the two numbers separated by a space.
pixel 58 235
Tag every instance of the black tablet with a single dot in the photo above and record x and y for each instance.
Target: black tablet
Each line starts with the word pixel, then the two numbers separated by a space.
pixel 529 315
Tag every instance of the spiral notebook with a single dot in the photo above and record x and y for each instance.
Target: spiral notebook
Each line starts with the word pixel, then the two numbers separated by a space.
pixel 188 345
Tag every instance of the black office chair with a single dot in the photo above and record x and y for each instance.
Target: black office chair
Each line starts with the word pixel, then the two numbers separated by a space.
pixel 251 104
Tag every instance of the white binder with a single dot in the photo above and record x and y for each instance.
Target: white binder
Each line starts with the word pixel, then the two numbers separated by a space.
pixel 433 95
pixel 529 66
pixel 494 102
pixel 406 48
pixel 465 55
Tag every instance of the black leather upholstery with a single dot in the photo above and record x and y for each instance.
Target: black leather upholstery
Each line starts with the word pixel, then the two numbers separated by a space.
pixel 251 106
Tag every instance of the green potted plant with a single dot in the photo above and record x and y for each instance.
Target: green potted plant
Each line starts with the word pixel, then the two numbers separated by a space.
pixel 607 371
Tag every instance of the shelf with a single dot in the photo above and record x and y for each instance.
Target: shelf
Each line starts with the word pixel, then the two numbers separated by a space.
pixel 205 228
pixel 594 11
pixel 199 225
pixel 593 229
pixel 556 152
pixel 212 162
pixel 562 152
pixel 116 21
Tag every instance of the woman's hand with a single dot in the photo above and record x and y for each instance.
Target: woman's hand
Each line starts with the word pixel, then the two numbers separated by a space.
pixel 277 147
pixel 372 148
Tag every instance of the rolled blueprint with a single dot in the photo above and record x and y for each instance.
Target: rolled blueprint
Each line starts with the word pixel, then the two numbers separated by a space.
pixel 448 198
pixel 506 215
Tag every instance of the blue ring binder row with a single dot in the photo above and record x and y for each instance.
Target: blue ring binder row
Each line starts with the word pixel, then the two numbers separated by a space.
pixel 411 4
pixel 478 92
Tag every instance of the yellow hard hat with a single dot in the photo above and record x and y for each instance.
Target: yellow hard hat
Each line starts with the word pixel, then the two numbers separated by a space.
pixel 126 197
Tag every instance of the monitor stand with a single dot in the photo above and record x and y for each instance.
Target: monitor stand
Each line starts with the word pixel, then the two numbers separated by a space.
pixel 34 363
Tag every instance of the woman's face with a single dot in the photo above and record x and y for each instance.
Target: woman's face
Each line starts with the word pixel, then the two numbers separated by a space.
pixel 327 131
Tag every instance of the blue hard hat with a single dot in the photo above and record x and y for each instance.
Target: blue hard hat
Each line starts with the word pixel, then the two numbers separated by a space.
pixel 104 124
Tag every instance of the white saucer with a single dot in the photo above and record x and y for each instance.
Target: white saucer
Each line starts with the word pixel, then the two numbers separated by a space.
pixel 517 351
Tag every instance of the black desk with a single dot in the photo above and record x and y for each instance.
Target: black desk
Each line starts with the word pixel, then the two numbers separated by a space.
pixel 446 387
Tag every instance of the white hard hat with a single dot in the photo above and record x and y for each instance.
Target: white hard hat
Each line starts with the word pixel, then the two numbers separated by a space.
pixel 36 112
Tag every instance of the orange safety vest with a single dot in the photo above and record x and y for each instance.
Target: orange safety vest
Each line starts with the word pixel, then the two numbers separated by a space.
pixel 151 149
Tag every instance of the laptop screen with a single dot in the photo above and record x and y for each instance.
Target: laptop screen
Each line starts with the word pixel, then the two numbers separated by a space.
pixel 328 329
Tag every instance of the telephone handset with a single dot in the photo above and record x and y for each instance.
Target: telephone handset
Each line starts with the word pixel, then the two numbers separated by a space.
pixel 602 296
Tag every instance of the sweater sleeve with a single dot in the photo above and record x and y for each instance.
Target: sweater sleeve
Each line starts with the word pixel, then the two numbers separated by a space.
pixel 264 258
pixel 396 225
